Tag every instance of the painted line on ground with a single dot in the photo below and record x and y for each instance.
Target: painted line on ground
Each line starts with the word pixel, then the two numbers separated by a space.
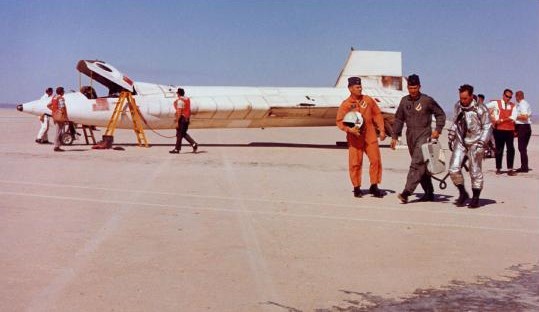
pixel 45 299
pixel 277 201
pixel 280 214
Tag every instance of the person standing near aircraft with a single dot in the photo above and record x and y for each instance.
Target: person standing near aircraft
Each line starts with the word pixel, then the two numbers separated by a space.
pixel 503 117
pixel 416 110
pixel 468 137
pixel 42 136
pixel 490 149
pixel 480 98
pixel 59 115
pixel 182 105
pixel 524 130
pixel 364 139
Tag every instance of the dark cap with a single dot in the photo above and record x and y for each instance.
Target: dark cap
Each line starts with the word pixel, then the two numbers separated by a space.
pixel 352 81
pixel 413 80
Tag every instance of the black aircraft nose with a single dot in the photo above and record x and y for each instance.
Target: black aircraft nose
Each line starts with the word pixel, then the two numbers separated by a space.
pixel 19 107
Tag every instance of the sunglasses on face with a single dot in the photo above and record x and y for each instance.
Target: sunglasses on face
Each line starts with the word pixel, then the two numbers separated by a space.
pixel 508 96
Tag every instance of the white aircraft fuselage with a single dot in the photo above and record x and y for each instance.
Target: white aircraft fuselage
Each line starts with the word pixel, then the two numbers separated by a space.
pixel 212 107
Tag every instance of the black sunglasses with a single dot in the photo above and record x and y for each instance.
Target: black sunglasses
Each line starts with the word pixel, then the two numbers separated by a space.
pixel 508 96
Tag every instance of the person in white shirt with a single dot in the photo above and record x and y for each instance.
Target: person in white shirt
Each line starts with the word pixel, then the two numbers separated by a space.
pixel 503 116
pixel 42 137
pixel 523 129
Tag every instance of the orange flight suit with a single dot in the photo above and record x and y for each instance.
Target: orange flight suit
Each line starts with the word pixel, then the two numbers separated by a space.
pixel 366 142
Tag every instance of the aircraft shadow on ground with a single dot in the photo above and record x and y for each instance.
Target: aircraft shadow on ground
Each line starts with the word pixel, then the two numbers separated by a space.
pixel 252 144
pixel 75 150
pixel 337 145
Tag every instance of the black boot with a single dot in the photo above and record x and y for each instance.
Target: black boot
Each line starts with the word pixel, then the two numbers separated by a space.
pixel 404 196
pixel 463 196
pixel 375 191
pixel 428 196
pixel 475 198
pixel 426 184
pixel 357 192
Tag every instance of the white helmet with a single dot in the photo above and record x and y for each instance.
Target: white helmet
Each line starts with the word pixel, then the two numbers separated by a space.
pixel 353 119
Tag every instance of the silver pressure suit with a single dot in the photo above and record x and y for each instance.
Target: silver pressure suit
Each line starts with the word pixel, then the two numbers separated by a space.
pixel 468 135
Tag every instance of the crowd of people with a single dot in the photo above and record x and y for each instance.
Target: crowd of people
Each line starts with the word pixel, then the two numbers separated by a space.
pixel 474 125
pixel 58 112
pixel 470 133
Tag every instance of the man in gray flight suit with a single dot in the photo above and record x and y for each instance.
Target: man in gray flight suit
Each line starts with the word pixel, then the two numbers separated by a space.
pixel 416 110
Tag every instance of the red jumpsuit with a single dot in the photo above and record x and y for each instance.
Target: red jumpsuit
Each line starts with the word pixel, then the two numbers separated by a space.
pixel 366 142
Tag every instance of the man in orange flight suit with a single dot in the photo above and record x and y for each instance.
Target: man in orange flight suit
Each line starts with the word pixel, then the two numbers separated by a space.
pixel 363 139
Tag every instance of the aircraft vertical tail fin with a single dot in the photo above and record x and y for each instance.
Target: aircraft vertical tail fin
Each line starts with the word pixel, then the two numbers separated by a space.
pixel 377 69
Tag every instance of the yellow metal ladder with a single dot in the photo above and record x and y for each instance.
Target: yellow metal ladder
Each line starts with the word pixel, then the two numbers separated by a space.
pixel 136 117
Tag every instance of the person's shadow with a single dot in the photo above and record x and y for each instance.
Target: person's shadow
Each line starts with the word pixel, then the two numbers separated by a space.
pixel 484 202
pixel 443 198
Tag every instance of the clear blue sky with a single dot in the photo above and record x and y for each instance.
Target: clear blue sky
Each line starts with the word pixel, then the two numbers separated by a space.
pixel 491 44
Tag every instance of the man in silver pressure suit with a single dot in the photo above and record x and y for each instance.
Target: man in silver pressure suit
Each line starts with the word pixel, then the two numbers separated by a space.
pixel 468 135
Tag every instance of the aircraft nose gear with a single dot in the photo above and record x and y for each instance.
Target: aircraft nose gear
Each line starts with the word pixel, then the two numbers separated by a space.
pixel 69 135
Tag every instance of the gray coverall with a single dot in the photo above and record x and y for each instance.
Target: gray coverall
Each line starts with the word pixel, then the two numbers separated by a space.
pixel 468 135
pixel 417 114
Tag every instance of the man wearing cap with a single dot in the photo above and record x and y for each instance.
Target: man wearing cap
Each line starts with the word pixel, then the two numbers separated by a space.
pixel 416 110
pixel 362 139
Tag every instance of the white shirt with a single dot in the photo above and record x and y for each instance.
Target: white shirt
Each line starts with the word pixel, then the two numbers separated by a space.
pixel 493 106
pixel 523 107
pixel 46 96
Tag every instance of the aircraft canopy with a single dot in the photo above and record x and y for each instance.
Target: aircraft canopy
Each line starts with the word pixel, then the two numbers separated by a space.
pixel 105 74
